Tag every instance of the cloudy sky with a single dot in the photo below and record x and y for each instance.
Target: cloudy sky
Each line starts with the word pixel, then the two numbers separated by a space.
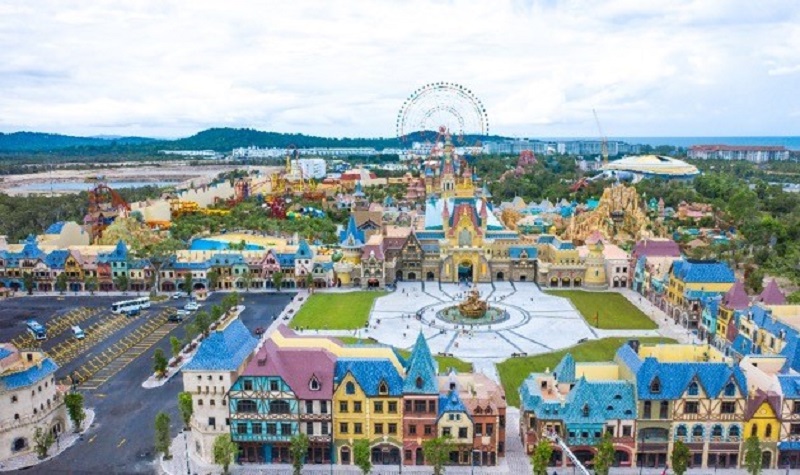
pixel 344 67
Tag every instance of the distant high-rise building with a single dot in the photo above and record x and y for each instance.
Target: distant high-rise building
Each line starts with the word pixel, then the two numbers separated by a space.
pixel 751 153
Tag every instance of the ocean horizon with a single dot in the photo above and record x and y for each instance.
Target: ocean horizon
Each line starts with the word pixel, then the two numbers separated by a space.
pixel 791 143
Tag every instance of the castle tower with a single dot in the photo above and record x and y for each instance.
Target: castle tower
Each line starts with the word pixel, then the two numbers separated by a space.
pixel 595 276
pixel 445 217
pixel 448 178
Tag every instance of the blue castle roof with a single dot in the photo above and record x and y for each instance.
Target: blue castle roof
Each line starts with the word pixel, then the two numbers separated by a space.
pixel 351 236
pixel 285 260
pixel 32 375
pixel 224 350
pixel 565 370
pixel 420 365
pixel 55 228
pixel 369 373
pixel 675 378
pixel 303 250
pixel 451 402
pixel 56 259
pixel 691 271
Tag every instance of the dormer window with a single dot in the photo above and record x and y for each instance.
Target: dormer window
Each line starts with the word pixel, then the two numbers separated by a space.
pixel 585 410
pixel 383 388
pixel 314 384
pixel 655 386
pixel 694 389
pixel 730 389
pixel 350 388
pixel 418 382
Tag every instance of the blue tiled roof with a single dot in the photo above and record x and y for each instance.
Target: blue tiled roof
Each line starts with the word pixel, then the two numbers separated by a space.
pixel 226 259
pixel 790 386
pixel 3 353
pixel 351 236
pixel 32 375
pixel 420 365
pixel 139 264
pixel 304 250
pixel 628 357
pixel 55 228
pixel 742 345
pixel 224 350
pixel 516 251
pixel 369 373
pixel 56 259
pixel 430 234
pixel 450 402
pixel 564 372
pixel 789 445
pixel 285 260
pixel 675 377
pixel 605 400
pixel 690 271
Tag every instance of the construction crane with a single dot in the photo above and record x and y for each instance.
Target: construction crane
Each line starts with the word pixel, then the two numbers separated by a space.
pixel 553 437
pixel 603 139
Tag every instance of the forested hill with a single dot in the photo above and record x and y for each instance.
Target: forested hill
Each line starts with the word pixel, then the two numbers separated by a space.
pixel 38 142
pixel 218 139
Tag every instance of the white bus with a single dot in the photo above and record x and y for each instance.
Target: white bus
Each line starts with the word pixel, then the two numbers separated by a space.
pixel 128 305
pixel 37 330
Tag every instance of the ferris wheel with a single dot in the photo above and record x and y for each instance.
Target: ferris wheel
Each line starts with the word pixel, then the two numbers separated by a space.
pixel 442 105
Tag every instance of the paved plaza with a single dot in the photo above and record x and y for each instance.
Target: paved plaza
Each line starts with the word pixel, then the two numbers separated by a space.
pixel 536 322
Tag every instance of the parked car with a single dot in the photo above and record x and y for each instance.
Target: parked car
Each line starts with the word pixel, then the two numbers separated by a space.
pixel 175 317
pixel 259 331
pixel 191 306
pixel 183 313
pixel 78 333
pixel 177 295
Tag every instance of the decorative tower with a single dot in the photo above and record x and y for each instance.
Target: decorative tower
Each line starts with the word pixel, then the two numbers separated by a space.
pixel 445 217
pixel 448 178
pixel 595 277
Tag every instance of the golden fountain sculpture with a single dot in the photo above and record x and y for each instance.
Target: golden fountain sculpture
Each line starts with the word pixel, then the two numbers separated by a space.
pixel 473 306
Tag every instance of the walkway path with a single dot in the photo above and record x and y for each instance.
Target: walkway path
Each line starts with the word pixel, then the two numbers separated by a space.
pixel 486 367
pixel 666 326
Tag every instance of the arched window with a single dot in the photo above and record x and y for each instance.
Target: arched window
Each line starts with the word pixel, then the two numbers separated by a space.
pixel 681 431
pixel 383 388
pixel 694 389
pixel 768 431
pixel 730 389
pixel 754 431
pixel 585 410
pixel 418 382
pixel 697 431
pixel 20 443
pixel 350 388
pixel 734 431
pixel 716 431
pixel 246 405
pixel 314 384
pixel 279 406
pixel 655 385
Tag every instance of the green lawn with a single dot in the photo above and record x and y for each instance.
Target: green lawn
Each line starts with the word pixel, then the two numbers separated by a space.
pixel 336 311
pixel 514 370
pixel 615 311
pixel 445 362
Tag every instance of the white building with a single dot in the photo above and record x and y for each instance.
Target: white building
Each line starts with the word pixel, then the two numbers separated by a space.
pixel 311 167
pixel 29 398
pixel 755 154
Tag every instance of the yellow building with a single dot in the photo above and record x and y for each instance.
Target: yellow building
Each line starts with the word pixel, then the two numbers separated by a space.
pixel 367 406
pixel 762 421
pixel 692 280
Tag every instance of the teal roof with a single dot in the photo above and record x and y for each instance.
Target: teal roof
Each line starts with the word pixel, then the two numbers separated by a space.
pixel 694 271
pixel 351 236
pixel 223 350
pixel 450 402
pixel 420 365
pixel 30 376
pixel 304 250
pixel 565 371
pixel 674 378
pixel 369 373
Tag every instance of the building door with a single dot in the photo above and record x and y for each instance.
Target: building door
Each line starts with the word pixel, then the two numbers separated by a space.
pixel 420 459
pixel 465 272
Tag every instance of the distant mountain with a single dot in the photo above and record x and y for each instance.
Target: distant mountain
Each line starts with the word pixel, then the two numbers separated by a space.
pixel 218 139
pixel 41 142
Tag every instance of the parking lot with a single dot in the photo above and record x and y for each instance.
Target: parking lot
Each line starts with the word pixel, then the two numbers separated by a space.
pixel 112 361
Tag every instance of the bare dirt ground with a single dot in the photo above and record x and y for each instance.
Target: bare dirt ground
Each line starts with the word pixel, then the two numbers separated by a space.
pixel 180 172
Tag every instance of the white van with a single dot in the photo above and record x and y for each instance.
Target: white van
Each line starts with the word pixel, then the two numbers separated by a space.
pixel 77 332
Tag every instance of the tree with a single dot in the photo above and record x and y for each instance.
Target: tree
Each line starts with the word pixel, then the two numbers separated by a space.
pixel 229 301
pixel 28 282
pixel 42 441
pixel 191 331
pixel 437 452
pixel 74 403
pixel 247 280
pixel 277 280
pixel 202 321
pixel 309 280
pixel 680 458
pixel 216 312
pixel 121 282
pixel 159 362
pixel 605 455
pixel 224 451
pixel 755 280
pixel 61 282
pixel 176 346
pixel 361 456
pixel 91 284
pixel 213 277
pixel 752 455
pixel 162 434
pixel 185 406
pixel 541 457
pixel 188 283
pixel 298 449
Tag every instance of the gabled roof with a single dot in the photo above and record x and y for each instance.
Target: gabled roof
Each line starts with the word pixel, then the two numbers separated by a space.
pixel 285 260
pixel 675 378
pixel 55 228
pixel 451 402
pixel 56 259
pixel 420 364
pixel 656 248
pixel 772 294
pixel 790 385
pixel 226 259
pixel 760 397
pixel 297 367
pixel 369 373
pixel 564 372
pixel 693 271
pixel 736 298
pixel 595 402
pixel 223 350
pixel 351 236
pixel 304 250
pixel 31 375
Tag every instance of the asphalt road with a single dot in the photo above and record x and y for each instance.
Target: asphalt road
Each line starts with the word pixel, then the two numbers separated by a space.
pixel 121 439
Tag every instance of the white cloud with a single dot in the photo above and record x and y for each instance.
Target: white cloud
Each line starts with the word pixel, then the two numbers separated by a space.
pixel 169 68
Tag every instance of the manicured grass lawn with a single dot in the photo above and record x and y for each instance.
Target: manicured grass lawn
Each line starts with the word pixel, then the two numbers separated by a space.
pixel 514 370
pixel 336 311
pixel 615 311
pixel 445 362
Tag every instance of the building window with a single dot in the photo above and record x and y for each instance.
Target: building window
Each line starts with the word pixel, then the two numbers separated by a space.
pixel 419 406
pixel 627 431
pixel 272 428
pixel 734 432
pixel 681 431
pixel 356 406
pixel 432 406
pixel 647 410
pixel 383 388
pixel 324 427
pixel 286 428
pixel 247 406
pixel 655 386
pixel 690 407
pixel 378 406
pixel 323 407
pixel 462 432
pixel 257 428
pixel 768 431
pixel 241 428
pixel 309 407
pixel 309 428
pixel 314 384
pixel 248 385
pixel 273 385
pixel 728 407
pixel 350 388
pixel 697 431
pixel 392 428
pixel 429 429
pixel 343 406
pixel 730 389
pixel 279 406
pixel 478 429
pixel 716 431
pixel 199 402
pixel 392 407
pixel 412 429
pixel 445 431
pixel 419 382
pixel 585 410
pixel 357 428
pixel 213 402
pixel 694 389
pixel 663 410
pixel 378 428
